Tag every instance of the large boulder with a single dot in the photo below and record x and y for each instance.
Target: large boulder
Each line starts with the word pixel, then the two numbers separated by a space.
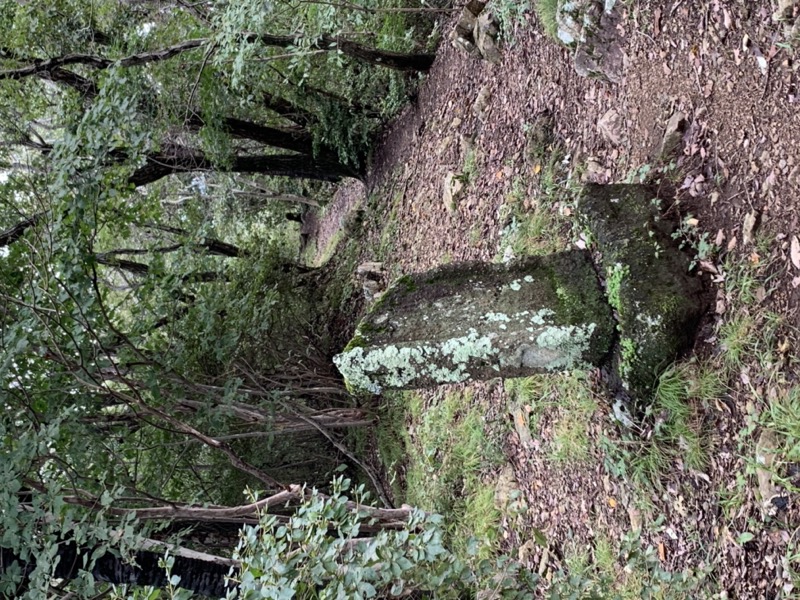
pixel 479 321
pixel 658 302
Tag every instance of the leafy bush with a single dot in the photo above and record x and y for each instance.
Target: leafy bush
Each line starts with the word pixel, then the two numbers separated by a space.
pixel 318 553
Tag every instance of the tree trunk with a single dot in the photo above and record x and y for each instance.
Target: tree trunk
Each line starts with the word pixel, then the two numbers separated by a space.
pixel 296 140
pixel 184 160
pixel 384 58
pixel 289 111
pixel 205 577
pixel 480 321
pixel 143 269
pixel 12 234
pixel 373 56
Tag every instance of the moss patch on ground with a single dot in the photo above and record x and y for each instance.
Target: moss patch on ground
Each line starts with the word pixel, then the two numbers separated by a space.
pixel 446 460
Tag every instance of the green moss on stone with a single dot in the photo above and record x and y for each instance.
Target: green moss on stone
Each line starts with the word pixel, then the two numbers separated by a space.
pixel 614 277
pixel 658 302
pixel 407 282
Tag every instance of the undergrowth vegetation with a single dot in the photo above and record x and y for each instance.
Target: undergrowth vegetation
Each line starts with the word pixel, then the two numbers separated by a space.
pixel 450 461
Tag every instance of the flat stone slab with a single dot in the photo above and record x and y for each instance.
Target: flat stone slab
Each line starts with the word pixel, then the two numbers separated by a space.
pixel 477 321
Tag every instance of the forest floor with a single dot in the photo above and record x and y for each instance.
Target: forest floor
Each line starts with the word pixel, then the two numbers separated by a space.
pixel 733 186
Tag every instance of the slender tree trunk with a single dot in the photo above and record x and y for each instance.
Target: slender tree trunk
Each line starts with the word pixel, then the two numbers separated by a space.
pixel 143 269
pixel 373 56
pixel 277 165
pixel 289 111
pixel 13 233
pixel 296 140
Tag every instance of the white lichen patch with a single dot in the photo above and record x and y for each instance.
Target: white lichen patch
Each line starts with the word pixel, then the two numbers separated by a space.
pixel 391 366
pixel 528 279
pixel 493 317
pixel 514 285
pixel 541 317
pixel 653 322
pixel 570 342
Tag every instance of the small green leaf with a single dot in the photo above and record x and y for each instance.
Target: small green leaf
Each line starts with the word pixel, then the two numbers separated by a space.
pixel 745 537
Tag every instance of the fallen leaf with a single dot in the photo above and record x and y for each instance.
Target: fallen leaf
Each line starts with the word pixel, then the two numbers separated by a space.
pixel 661 552
pixel 795 252
pixel 539 537
pixel 708 267
pixel 612 503
pixel 762 64
pixel 537 169
pixel 744 537
pixel 748 226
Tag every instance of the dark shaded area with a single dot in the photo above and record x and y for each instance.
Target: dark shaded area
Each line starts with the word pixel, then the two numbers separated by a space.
pixel 201 577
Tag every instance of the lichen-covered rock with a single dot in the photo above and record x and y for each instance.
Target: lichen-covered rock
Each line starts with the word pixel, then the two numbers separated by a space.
pixel 589 27
pixel 485 34
pixel 576 19
pixel 480 321
pixel 463 35
pixel 658 302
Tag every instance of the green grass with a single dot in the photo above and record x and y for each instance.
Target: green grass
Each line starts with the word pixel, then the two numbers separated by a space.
pixel 475 235
pixel 450 461
pixel 675 419
pixel 570 403
pixel 389 229
pixel 547 11
pixel 782 416
pixel 508 14
pixel 469 170
pixel 543 228
pixel 625 570
pixel 736 337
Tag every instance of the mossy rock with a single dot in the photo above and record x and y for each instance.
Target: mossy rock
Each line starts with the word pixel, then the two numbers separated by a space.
pixel 659 303
pixel 478 321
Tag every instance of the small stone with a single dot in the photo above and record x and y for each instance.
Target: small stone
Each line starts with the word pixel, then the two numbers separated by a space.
pixel 612 127
pixel 766 448
pixel 453 189
pixel 481 102
pixel 785 11
pixel 594 172
pixel 444 145
pixel 467 142
pixel 673 136
pixel 505 487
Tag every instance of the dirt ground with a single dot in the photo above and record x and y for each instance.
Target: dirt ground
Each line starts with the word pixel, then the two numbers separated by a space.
pixel 724 65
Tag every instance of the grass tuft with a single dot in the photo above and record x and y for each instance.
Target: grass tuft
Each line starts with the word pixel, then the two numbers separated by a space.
pixel 450 466
pixel 547 13
pixel 677 434
pixel 569 402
